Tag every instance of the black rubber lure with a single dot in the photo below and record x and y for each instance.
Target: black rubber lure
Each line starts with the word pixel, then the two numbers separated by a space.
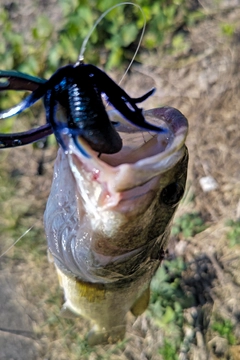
pixel 78 89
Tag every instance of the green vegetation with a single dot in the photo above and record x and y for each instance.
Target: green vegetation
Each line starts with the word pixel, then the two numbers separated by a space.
pixel 169 350
pixel 234 234
pixel 45 48
pixel 167 304
pixel 225 329
pixel 188 225
pixel 228 29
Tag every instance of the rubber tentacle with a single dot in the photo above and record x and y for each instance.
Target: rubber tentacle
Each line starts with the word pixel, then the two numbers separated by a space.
pixel 119 99
pixel 144 97
pixel 15 80
pixel 20 81
pixel 24 138
pixel 58 129
pixel 27 102
pixel 80 148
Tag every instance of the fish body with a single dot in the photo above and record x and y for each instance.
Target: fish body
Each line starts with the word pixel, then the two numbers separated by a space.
pixel 108 220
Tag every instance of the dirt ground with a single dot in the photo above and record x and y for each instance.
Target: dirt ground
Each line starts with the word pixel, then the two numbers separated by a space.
pixel 203 82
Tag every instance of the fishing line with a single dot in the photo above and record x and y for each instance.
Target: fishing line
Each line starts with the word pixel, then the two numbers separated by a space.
pixel 84 44
pixel 6 251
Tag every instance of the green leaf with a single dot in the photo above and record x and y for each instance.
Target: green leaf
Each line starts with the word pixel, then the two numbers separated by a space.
pixel 129 34
pixel 169 315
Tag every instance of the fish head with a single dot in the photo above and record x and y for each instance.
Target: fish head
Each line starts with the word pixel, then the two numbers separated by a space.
pixel 109 215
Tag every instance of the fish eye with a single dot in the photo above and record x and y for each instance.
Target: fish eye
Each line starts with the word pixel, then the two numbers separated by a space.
pixel 172 194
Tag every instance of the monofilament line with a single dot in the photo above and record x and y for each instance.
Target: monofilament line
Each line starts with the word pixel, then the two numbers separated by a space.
pixel 84 44
pixel 5 252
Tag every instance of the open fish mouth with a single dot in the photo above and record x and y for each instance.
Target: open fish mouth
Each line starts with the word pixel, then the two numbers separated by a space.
pixel 111 209
pixel 144 155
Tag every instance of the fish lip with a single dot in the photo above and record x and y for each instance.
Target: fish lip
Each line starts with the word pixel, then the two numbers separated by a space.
pixel 116 181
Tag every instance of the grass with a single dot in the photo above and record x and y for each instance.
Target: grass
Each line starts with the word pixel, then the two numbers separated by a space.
pixel 234 234
pixel 225 329
pixel 167 305
pixel 169 350
pixel 188 225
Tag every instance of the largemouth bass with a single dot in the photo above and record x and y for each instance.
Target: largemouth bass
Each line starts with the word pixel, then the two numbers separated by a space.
pixel 108 219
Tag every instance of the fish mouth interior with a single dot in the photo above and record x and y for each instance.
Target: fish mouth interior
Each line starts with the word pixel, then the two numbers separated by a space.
pixel 139 144
pixel 143 155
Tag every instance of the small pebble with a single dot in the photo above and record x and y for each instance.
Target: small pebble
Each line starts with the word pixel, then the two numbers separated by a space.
pixel 208 183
